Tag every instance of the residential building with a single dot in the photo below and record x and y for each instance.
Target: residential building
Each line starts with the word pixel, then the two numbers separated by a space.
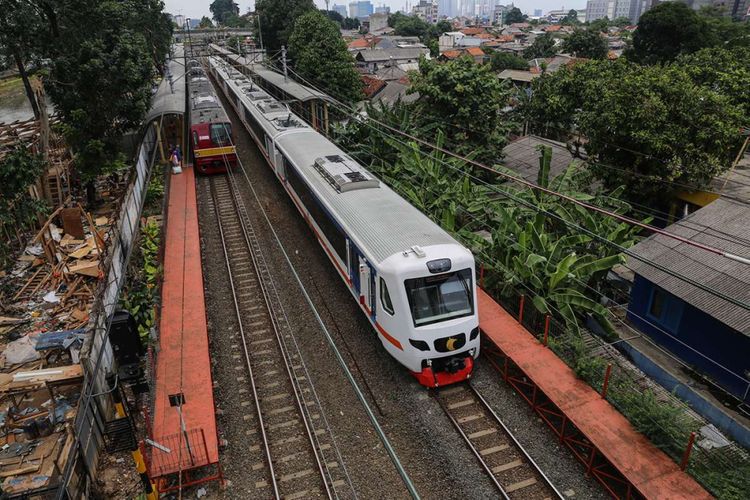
pixel 378 22
pixel 704 330
pixel 426 10
pixel 371 60
pixel 360 9
pixel 341 9
pixel 499 12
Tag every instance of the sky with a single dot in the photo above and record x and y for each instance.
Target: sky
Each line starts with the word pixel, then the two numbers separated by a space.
pixel 199 8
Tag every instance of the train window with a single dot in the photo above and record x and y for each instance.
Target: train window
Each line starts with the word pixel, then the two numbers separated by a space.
pixel 195 138
pixel 385 298
pixel 333 234
pixel 440 297
pixel 255 126
pixel 221 134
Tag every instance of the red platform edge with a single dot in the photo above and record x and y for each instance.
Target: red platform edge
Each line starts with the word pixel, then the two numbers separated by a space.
pixel 618 456
pixel 183 364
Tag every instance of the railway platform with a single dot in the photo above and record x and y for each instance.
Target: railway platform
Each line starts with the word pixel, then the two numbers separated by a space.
pixel 624 461
pixel 183 448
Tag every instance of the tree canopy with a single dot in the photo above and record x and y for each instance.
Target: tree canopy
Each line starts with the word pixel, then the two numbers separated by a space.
pixel 543 46
pixel 222 10
pixel 465 99
pixel 668 30
pixel 585 43
pixel 504 60
pixel 644 126
pixel 319 54
pixel 571 19
pixel 277 19
pixel 205 23
pixel 514 15
pixel 94 65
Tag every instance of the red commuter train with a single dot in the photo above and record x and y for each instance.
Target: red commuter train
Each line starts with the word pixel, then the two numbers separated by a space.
pixel 211 141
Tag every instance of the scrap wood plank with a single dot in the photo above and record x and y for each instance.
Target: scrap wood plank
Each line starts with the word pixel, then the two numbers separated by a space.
pixel 31 378
pixel 86 267
pixel 71 222
pixel 28 283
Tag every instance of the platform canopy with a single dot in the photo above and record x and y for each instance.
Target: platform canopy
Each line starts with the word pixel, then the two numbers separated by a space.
pixel 170 99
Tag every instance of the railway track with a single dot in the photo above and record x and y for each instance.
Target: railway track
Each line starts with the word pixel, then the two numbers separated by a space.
pixel 300 457
pixel 511 469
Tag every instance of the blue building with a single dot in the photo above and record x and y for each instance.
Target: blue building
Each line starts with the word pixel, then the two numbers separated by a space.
pixel 360 9
pixel 706 331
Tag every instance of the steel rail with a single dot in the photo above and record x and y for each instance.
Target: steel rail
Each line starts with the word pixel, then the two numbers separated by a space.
pixel 263 276
pixel 497 422
pixel 264 437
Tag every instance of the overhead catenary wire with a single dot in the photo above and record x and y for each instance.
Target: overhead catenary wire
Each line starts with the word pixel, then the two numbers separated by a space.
pixel 590 233
pixel 331 342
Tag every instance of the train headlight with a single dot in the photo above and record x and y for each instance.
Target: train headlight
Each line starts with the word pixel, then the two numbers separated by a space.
pixel 474 333
pixel 419 344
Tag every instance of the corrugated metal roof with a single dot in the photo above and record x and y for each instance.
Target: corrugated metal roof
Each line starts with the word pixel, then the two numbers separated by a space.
pixel 727 276
pixel 168 100
pixel 522 156
pixel 393 54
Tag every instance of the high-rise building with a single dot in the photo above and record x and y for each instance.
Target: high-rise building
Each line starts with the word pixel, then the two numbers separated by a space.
pixel 383 9
pixel 537 12
pixel 360 9
pixel 341 9
pixel 426 10
pixel 632 9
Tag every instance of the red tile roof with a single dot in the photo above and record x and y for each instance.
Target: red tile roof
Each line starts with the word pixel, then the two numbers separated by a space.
pixel 372 85
pixel 472 31
pixel 363 43
pixel 451 54
pixel 553 28
pixel 506 38
pixel 475 51
pixel 484 35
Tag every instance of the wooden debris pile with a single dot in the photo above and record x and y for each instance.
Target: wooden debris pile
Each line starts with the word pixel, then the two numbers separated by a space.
pixel 45 303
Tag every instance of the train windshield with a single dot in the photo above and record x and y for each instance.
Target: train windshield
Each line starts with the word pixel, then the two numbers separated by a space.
pixel 221 134
pixel 439 298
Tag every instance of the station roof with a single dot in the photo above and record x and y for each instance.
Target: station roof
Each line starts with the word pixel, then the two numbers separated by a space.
pixel 168 100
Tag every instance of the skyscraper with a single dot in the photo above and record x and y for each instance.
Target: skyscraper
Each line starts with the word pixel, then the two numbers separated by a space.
pixel 537 12
pixel 360 9
pixel 341 9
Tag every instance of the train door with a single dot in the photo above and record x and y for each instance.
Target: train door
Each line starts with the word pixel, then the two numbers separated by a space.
pixel 353 259
pixel 279 164
pixel 366 286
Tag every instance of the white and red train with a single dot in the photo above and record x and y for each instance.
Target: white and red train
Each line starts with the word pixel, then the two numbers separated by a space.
pixel 413 281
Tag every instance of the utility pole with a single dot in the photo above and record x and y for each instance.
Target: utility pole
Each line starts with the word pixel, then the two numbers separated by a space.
pixel 283 60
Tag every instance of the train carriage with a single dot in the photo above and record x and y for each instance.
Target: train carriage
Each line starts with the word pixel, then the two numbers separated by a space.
pixel 211 144
pixel 412 280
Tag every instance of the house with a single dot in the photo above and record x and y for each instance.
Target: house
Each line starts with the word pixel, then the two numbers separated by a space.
pixel 475 53
pixel 522 156
pixel 370 60
pixel 703 329
pixel 519 77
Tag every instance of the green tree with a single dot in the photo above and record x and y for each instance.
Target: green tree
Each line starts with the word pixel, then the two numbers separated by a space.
pixel 620 22
pixel 443 26
pixel 725 70
pixel 411 26
pixel 101 72
pixel 668 30
pixel 504 60
pixel 543 46
pixel 601 25
pixel 350 23
pixel 221 10
pixel 465 99
pixel 20 27
pixel 319 54
pixel 277 18
pixel 571 19
pixel 585 43
pixel 205 23
pixel 514 15
pixel 333 16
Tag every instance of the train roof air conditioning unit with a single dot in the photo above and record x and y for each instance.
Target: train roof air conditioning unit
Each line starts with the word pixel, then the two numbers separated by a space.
pixel 344 174
pixel 271 107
